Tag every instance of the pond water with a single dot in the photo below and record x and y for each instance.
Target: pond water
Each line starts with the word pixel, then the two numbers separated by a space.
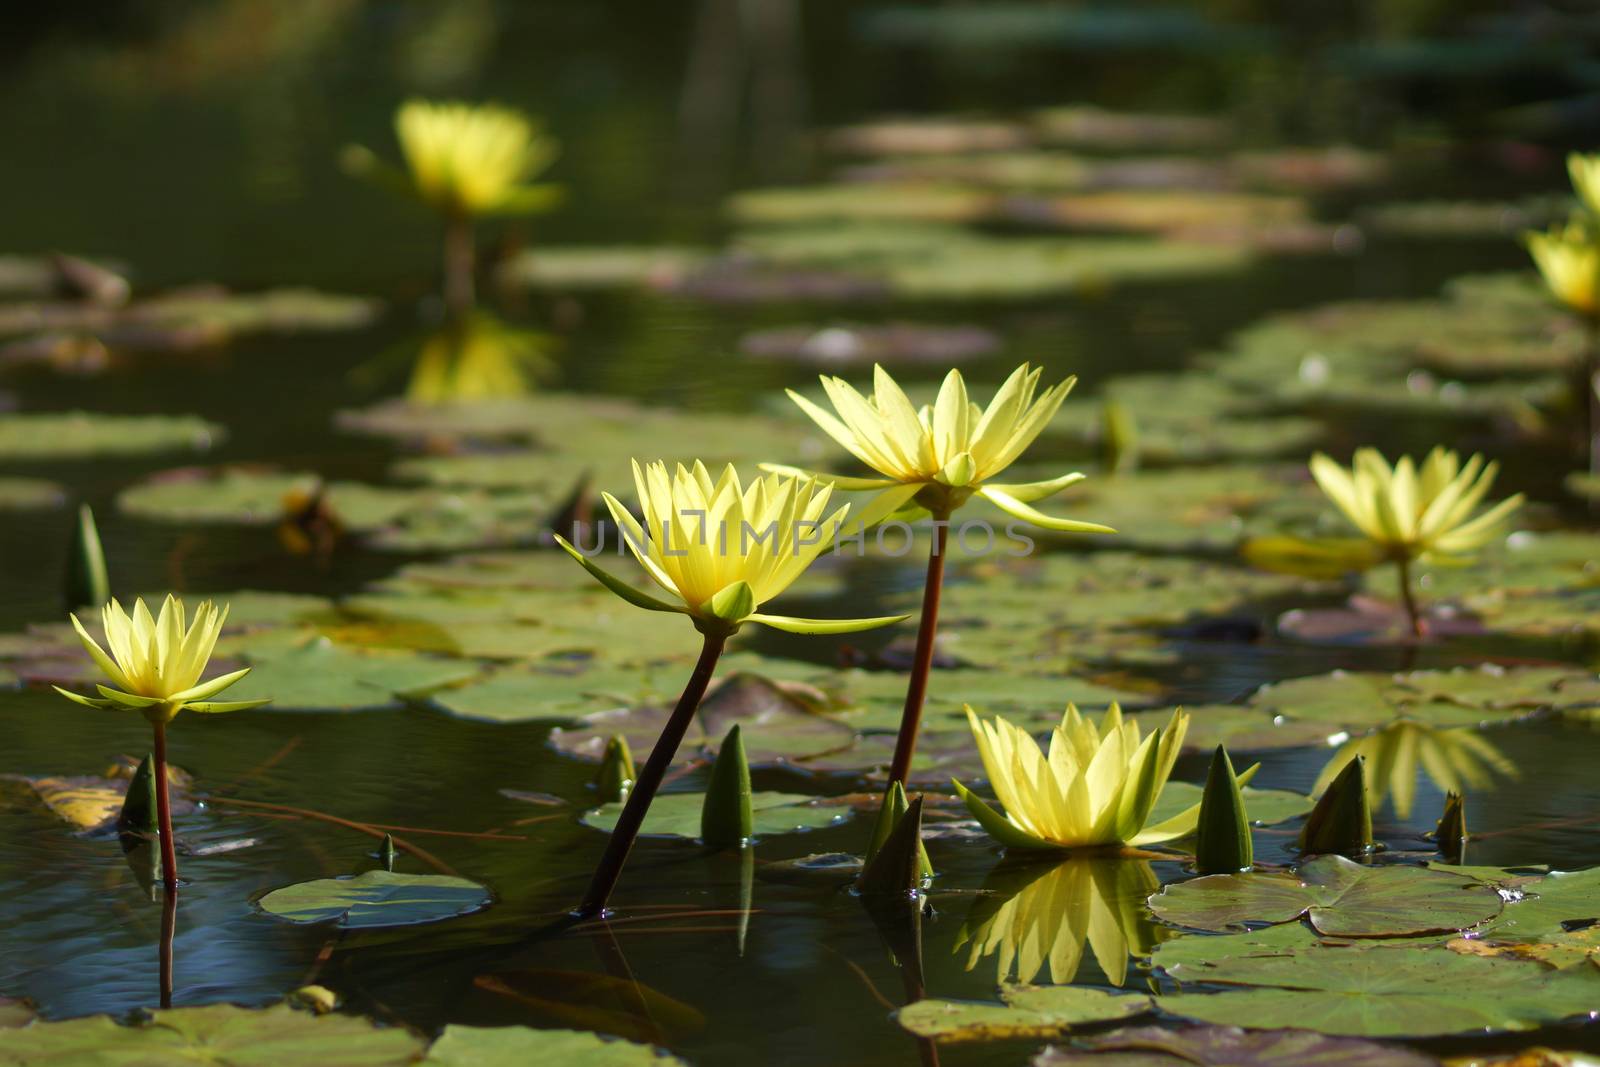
pixel 807 975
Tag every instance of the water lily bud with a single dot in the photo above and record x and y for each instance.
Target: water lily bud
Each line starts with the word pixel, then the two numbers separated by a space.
pixel 1119 437
pixel 896 869
pixel 87 583
pixel 617 774
pixel 387 852
pixel 1451 832
pixel 1342 819
pixel 139 805
pixel 1222 838
pixel 889 816
pixel 726 818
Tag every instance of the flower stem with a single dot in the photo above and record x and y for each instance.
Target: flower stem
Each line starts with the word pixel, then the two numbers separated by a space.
pixel 1591 389
pixel 650 775
pixel 1409 599
pixel 905 745
pixel 169 929
pixel 460 264
pixel 169 847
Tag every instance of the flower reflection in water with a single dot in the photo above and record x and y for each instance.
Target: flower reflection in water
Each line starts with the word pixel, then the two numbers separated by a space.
pixel 478 358
pixel 1036 915
pixel 1455 759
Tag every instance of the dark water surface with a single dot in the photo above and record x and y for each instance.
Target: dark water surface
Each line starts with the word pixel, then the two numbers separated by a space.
pixel 165 180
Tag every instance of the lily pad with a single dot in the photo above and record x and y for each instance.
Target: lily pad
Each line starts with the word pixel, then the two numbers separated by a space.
pixel 1386 990
pixel 320 675
pixel 591 267
pixel 1339 897
pixel 85 435
pixel 1028 1012
pixel 218 1034
pixel 862 346
pixel 1228 1046
pixel 1464 697
pixel 376 899
pixel 678 814
pixel 27 494
pixel 513 1046
pixel 1265 807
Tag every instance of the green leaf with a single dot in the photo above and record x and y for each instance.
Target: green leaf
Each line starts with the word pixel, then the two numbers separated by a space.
pixel 679 814
pixel 1228 1046
pixel 1266 807
pixel 1029 1012
pixel 515 1046
pixel 376 899
pixel 1385 990
pixel 1341 898
pixel 138 815
pixel 726 816
pixel 214 1034
pixel 895 870
pixel 617 774
pixel 84 435
pixel 323 676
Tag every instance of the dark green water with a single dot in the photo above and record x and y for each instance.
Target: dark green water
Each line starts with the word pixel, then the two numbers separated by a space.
pixel 227 173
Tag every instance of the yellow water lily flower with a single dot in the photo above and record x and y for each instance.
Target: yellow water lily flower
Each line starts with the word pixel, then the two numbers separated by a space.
pixel 1569 259
pixel 155 662
pixel 1096 901
pixel 942 455
pixel 1416 511
pixel 465 159
pixel 1095 789
pixel 1454 758
pixel 721 548
pixel 1584 170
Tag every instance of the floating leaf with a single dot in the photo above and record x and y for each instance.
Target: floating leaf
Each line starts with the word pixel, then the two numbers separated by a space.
pixel 1266 806
pixel 1028 1012
pixel 1341 898
pixel 84 435
pixel 1229 1046
pixel 322 676
pixel 1385 990
pixel 513 1046
pixel 678 814
pixel 28 494
pixel 376 899
pixel 215 1034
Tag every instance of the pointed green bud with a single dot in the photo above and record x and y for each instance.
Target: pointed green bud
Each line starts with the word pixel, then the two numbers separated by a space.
pixel 896 870
pixel 139 805
pixel 86 583
pixel 1119 437
pixel 1451 833
pixel 733 603
pixel 726 818
pixel 889 815
pixel 616 775
pixel 1222 838
pixel 387 852
pixel 1341 822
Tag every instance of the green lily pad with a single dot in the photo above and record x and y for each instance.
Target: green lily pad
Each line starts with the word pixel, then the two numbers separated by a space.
pixel 1385 990
pixel 1266 807
pixel 28 494
pixel 1463 697
pixel 1087 126
pixel 588 267
pixel 84 435
pixel 14 1013
pixel 1242 729
pixel 376 899
pixel 528 694
pixel 513 1046
pixel 320 675
pixel 1228 1046
pixel 1028 1012
pixel 678 814
pixel 1339 897
pixel 219 1034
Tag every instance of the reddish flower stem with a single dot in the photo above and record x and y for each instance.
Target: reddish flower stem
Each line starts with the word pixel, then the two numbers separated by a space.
pixel 169 846
pixel 1409 599
pixel 644 789
pixel 905 746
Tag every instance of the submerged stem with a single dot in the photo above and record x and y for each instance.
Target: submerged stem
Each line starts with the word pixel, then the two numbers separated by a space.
pixel 1409 599
pixel 169 848
pixel 644 789
pixel 169 930
pixel 905 745
pixel 460 264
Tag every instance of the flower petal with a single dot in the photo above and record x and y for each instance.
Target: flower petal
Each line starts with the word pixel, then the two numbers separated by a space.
pixel 1017 509
pixel 617 585
pixel 794 625
pixel 88 702
pixel 214 707
pixel 997 826
pixel 211 688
